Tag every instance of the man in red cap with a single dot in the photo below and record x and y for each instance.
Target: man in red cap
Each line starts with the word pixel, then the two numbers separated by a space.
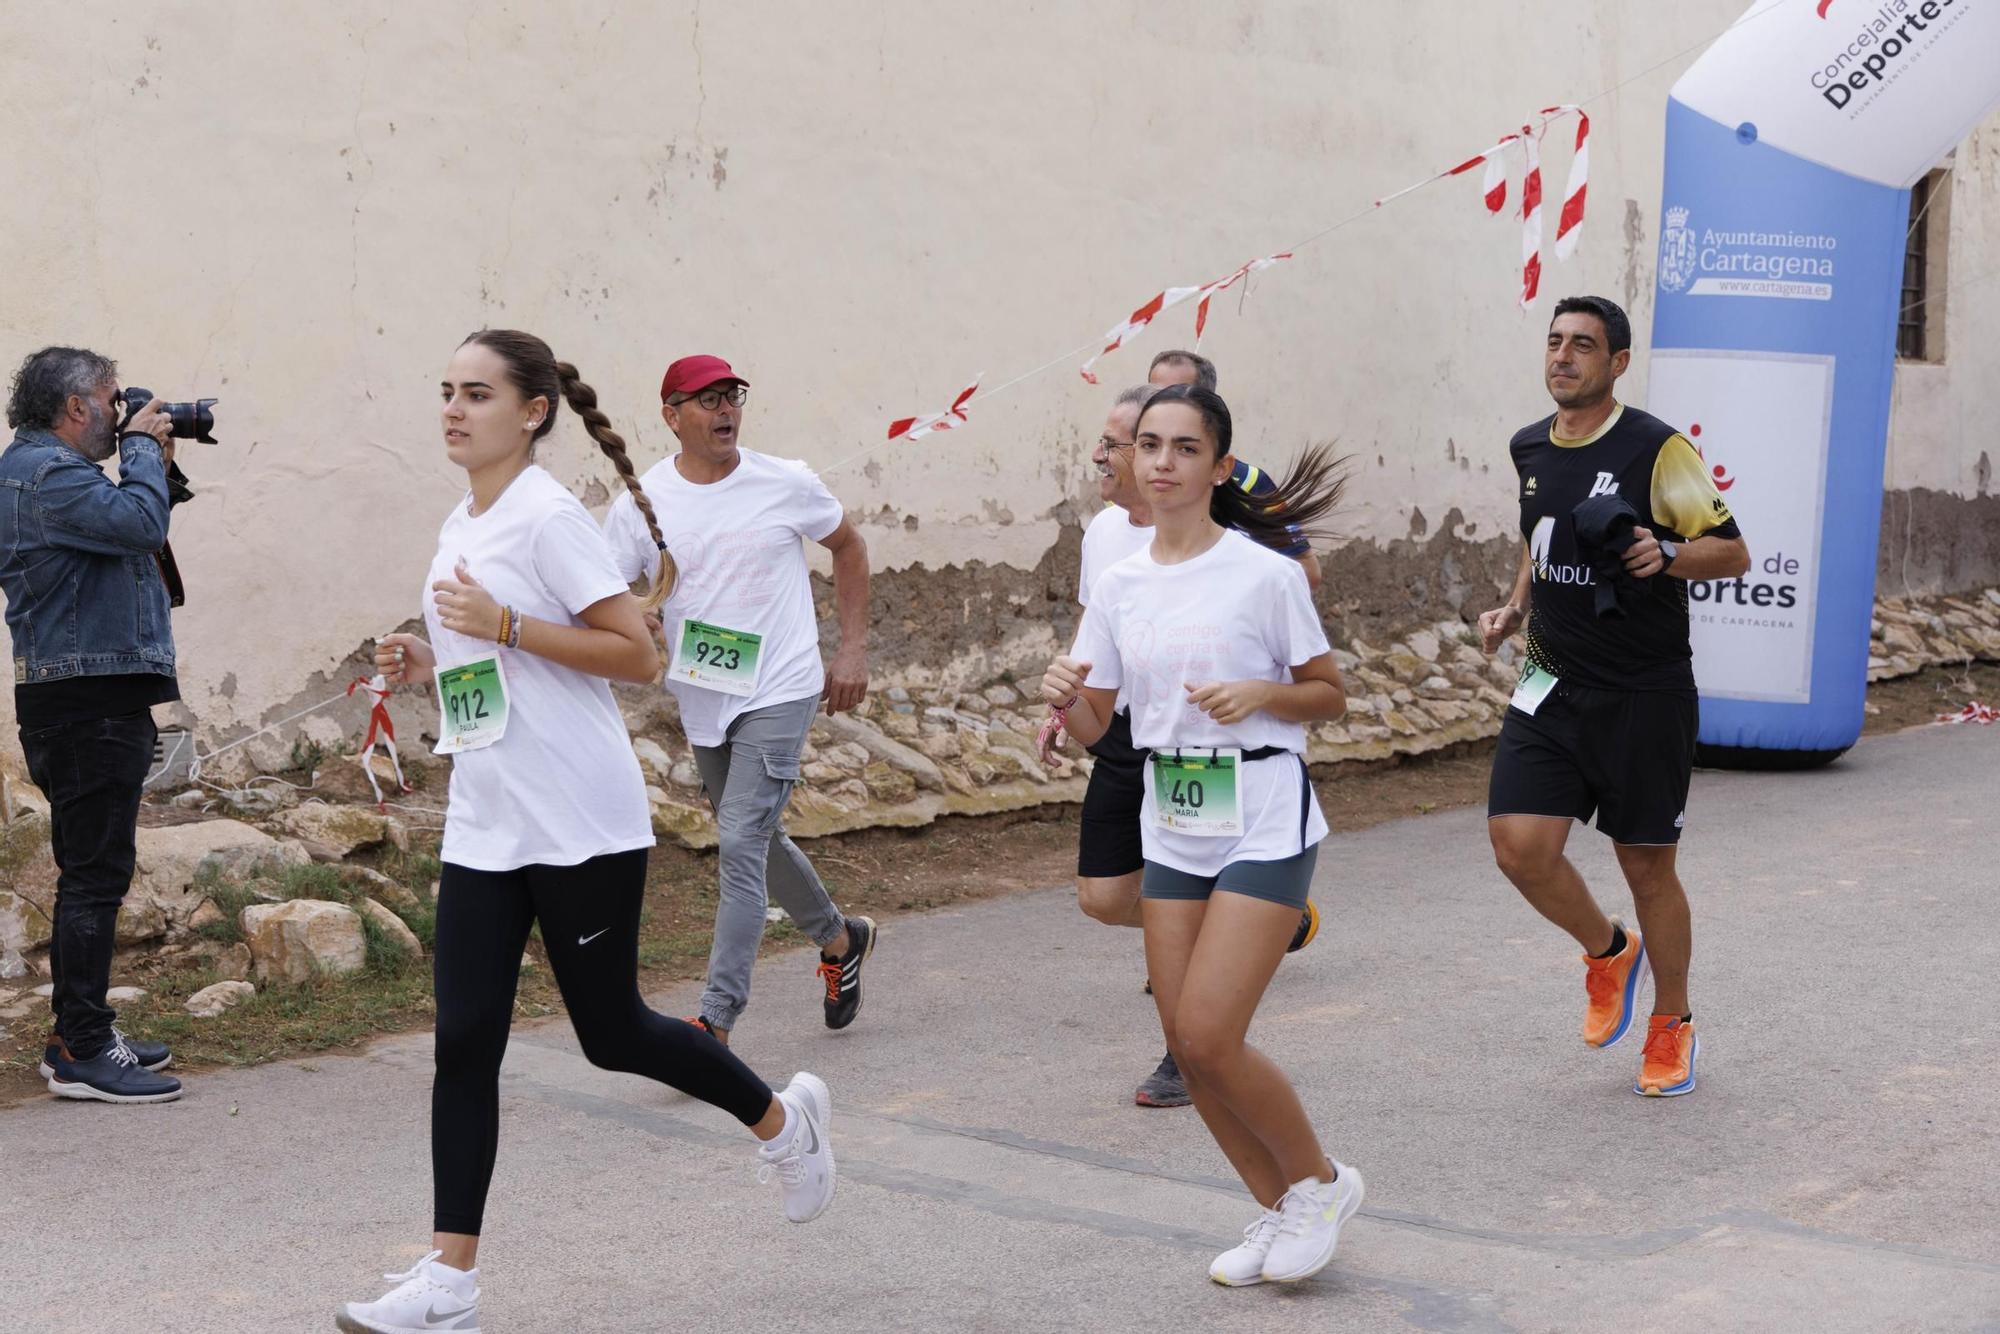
pixel 744 665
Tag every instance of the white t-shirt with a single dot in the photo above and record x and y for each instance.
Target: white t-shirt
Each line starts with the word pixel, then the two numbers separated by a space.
pixel 561 785
pixel 1237 612
pixel 739 546
pixel 1110 538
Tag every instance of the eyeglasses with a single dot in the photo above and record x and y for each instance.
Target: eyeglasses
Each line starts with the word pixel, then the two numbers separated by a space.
pixel 711 399
pixel 1107 444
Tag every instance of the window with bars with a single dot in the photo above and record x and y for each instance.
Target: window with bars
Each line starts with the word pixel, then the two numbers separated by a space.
pixel 1916 275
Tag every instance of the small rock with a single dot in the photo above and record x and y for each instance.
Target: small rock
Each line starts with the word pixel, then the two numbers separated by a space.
pixel 211 1001
pixel 685 774
pixel 1001 695
pixel 655 797
pixel 394 927
pixel 291 942
pixel 372 882
pixel 125 995
pixel 1425 645
pixel 192 799
pixel 898 695
pixel 848 756
pixel 1406 667
pixel 46 990
pixel 653 757
pixel 342 828
pixel 232 963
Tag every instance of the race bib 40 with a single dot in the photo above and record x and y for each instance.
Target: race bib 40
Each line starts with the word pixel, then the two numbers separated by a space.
pixel 1196 792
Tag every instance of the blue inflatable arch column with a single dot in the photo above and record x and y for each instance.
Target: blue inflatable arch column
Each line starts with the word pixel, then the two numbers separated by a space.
pixel 1791 147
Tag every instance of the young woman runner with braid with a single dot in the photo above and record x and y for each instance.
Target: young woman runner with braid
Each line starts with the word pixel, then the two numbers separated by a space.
pixel 1213 640
pixel 547 820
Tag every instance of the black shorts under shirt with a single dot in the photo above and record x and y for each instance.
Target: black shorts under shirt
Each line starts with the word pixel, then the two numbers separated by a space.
pixel 1624 755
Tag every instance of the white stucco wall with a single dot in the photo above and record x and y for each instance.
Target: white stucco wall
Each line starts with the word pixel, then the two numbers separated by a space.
pixel 302 208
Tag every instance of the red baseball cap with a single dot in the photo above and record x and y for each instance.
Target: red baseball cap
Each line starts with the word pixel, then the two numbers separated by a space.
pixel 691 375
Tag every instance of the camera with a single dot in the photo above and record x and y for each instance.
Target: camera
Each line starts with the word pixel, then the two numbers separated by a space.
pixel 191 421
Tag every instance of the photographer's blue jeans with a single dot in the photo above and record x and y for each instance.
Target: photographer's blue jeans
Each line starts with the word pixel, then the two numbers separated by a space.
pixel 93 773
pixel 749 779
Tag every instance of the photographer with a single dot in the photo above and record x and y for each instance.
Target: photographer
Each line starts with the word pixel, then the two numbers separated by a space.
pixel 86 572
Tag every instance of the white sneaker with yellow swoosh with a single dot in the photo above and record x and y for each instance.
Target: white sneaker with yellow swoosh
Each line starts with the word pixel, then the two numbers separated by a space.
pixel 1309 1224
pixel 429 1297
pixel 803 1160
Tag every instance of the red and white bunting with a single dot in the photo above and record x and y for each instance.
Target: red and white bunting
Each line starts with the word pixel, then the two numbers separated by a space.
pixel 1569 221
pixel 380 728
pixel 916 428
pixel 1531 221
pixel 1115 337
pixel 1169 298
pixel 1972 713
pixel 1208 292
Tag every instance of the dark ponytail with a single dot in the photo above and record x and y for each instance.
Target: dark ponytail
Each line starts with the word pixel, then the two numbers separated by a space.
pixel 1303 500
pixel 537 374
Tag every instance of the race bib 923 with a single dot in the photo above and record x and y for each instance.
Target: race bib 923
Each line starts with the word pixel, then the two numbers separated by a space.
pixel 716 657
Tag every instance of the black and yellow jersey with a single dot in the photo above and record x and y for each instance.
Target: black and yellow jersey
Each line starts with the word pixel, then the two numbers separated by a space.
pixel 1656 470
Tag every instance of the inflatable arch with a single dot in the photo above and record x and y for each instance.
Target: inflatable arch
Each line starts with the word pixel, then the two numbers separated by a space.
pixel 1792 144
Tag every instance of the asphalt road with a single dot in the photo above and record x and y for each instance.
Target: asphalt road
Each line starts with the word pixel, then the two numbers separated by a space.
pixel 1835 1169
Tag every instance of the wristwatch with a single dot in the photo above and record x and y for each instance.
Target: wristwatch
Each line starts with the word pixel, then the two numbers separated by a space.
pixel 1668 551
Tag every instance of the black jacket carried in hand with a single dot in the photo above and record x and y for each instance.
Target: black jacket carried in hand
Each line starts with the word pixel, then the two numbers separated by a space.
pixel 1604 534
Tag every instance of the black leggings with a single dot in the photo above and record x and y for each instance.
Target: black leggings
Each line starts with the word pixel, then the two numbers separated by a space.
pixel 589 915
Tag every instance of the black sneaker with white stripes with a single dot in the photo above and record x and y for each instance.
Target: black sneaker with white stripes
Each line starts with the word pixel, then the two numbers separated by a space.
pixel 843 975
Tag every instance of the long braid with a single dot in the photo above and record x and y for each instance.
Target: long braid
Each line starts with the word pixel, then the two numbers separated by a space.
pixel 583 399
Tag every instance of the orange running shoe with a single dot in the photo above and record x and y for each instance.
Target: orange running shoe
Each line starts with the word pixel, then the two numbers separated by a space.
pixel 1666 1069
pixel 1612 986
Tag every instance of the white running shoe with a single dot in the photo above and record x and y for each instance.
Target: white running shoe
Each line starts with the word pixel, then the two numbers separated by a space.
pixel 1243 1265
pixel 424 1299
pixel 1309 1227
pixel 803 1161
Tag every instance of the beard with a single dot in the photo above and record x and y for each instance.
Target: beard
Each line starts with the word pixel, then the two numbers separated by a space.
pixel 100 442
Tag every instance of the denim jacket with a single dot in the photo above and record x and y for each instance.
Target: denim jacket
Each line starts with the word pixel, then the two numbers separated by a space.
pixel 85 593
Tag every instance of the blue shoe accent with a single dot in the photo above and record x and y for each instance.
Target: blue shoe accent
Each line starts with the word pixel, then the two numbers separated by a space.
pixel 1630 1004
pixel 1675 1090
pixel 113 1075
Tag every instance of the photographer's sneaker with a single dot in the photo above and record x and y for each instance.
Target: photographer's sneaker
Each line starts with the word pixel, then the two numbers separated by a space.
pixel 803 1160
pixel 1240 1266
pixel 1309 1222
pixel 113 1075
pixel 149 1054
pixel 429 1297
pixel 843 975
pixel 1611 989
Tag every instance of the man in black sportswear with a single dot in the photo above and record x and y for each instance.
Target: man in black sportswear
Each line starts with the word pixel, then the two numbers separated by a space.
pixel 1603 720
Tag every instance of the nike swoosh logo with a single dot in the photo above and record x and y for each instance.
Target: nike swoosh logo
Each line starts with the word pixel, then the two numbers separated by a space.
pixel 583 940
pixel 812 1132
pixel 433 1315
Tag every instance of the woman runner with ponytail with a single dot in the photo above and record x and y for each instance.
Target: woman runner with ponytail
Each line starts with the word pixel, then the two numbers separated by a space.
pixel 547 821
pixel 1213 639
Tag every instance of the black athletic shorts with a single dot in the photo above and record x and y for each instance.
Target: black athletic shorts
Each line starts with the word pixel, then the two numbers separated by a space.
pixel 1624 755
pixel 1112 805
